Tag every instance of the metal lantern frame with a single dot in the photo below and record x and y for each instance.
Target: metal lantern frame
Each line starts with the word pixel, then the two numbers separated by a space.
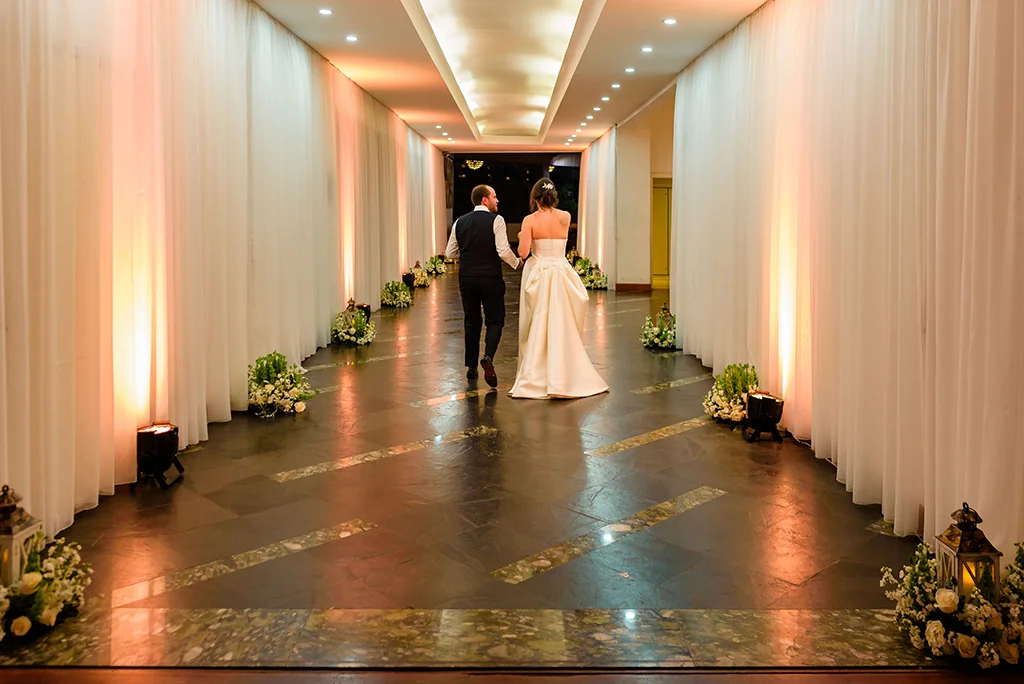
pixel 966 557
pixel 17 530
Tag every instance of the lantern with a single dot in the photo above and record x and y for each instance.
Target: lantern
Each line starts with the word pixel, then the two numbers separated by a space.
pixel 764 411
pixel 967 557
pixel 17 528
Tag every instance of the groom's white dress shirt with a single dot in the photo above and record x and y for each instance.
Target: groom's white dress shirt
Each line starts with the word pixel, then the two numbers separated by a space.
pixel 500 241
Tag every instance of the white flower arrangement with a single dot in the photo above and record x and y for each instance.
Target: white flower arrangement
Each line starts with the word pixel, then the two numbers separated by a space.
pixel 352 327
pixel 727 399
pixel 660 335
pixel 275 387
pixel 595 280
pixel 396 295
pixel 940 621
pixel 583 266
pixel 435 265
pixel 52 585
pixel 421 278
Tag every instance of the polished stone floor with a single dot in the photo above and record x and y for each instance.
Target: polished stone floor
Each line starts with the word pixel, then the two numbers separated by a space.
pixel 411 519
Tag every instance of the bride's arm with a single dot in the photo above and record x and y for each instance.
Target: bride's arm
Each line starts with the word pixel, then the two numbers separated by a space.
pixel 525 238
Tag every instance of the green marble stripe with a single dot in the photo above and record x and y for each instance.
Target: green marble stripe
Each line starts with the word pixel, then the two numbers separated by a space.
pixel 662 386
pixel 883 527
pixel 448 398
pixel 123 596
pixel 378 454
pixel 191 448
pixel 363 362
pixel 473 638
pixel 566 552
pixel 649 437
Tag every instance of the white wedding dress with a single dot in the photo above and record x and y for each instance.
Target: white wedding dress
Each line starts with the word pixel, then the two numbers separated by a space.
pixel 553 362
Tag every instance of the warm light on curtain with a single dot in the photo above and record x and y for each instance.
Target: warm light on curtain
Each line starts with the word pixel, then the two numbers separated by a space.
pixel 847 217
pixel 596 232
pixel 183 186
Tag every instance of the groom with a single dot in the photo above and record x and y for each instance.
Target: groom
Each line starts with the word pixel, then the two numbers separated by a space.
pixel 480 242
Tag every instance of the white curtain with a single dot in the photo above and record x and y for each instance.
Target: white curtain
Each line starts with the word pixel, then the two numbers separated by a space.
pixel 848 216
pixel 597 226
pixel 184 186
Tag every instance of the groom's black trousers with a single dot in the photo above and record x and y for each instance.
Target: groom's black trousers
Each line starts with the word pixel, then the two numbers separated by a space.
pixel 489 292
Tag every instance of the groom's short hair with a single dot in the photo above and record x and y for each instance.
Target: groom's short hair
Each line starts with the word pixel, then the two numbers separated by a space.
pixel 479 193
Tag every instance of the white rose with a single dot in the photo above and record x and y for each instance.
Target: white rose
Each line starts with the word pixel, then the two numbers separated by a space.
pixel 21 626
pixel 29 582
pixel 1009 652
pixel 268 387
pixel 947 600
pixel 300 406
pixel 49 617
pixel 967 646
pixel 936 634
pixel 293 393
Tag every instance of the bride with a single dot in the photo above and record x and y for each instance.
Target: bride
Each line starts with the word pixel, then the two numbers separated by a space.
pixel 553 362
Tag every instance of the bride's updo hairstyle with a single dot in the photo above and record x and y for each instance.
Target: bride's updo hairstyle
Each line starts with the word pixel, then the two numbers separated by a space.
pixel 543 195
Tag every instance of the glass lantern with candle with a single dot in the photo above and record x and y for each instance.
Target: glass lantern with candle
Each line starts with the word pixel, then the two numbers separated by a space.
pixel 966 558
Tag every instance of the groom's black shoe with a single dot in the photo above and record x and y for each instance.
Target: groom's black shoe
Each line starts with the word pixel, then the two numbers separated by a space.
pixel 471 374
pixel 490 377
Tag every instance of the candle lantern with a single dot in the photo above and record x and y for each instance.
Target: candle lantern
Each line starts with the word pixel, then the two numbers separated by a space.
pixel 966 557
pixel 17 528
pixel 764 411
pixel 156 448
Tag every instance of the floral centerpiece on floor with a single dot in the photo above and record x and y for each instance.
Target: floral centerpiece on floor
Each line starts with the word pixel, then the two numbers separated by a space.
pixel 53 585
pixel 660 335
pixel 940 621
pixel 596 279
pixel 274 386
pixel 352 327
pixel 421 278
pixel 583 266
pixel 435 266
pixel 727 400
pixel 396 295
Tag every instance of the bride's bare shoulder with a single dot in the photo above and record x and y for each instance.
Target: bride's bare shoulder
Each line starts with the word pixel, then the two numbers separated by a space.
pixel 564 216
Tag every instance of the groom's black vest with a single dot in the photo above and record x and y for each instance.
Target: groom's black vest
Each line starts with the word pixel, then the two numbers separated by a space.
pixel 478 253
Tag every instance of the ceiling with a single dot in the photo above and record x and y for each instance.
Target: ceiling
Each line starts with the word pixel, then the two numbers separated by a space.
pixel 504 75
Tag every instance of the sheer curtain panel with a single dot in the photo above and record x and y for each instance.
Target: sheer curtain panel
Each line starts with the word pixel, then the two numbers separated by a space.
pixel 184 186
pixel 848 216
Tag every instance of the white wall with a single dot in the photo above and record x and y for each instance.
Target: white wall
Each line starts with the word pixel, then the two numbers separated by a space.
pixel 633 203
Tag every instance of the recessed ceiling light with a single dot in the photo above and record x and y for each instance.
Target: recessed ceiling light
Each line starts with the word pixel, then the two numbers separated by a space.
pixel 583 124
pixel 566 144
pixel 597 109
pixel 590 117
pixel 326 12
pixel 445 134
pixel 670 21
pixel 647 48
pixel 573 136
pixel 605 98
pixel 437 127
pixel 578 130
pixel 630 70
pixel 616 85
pixel 351 39
pixel 451 140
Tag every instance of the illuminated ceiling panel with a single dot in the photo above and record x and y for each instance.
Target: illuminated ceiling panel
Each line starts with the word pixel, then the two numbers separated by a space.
pixel 507 64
